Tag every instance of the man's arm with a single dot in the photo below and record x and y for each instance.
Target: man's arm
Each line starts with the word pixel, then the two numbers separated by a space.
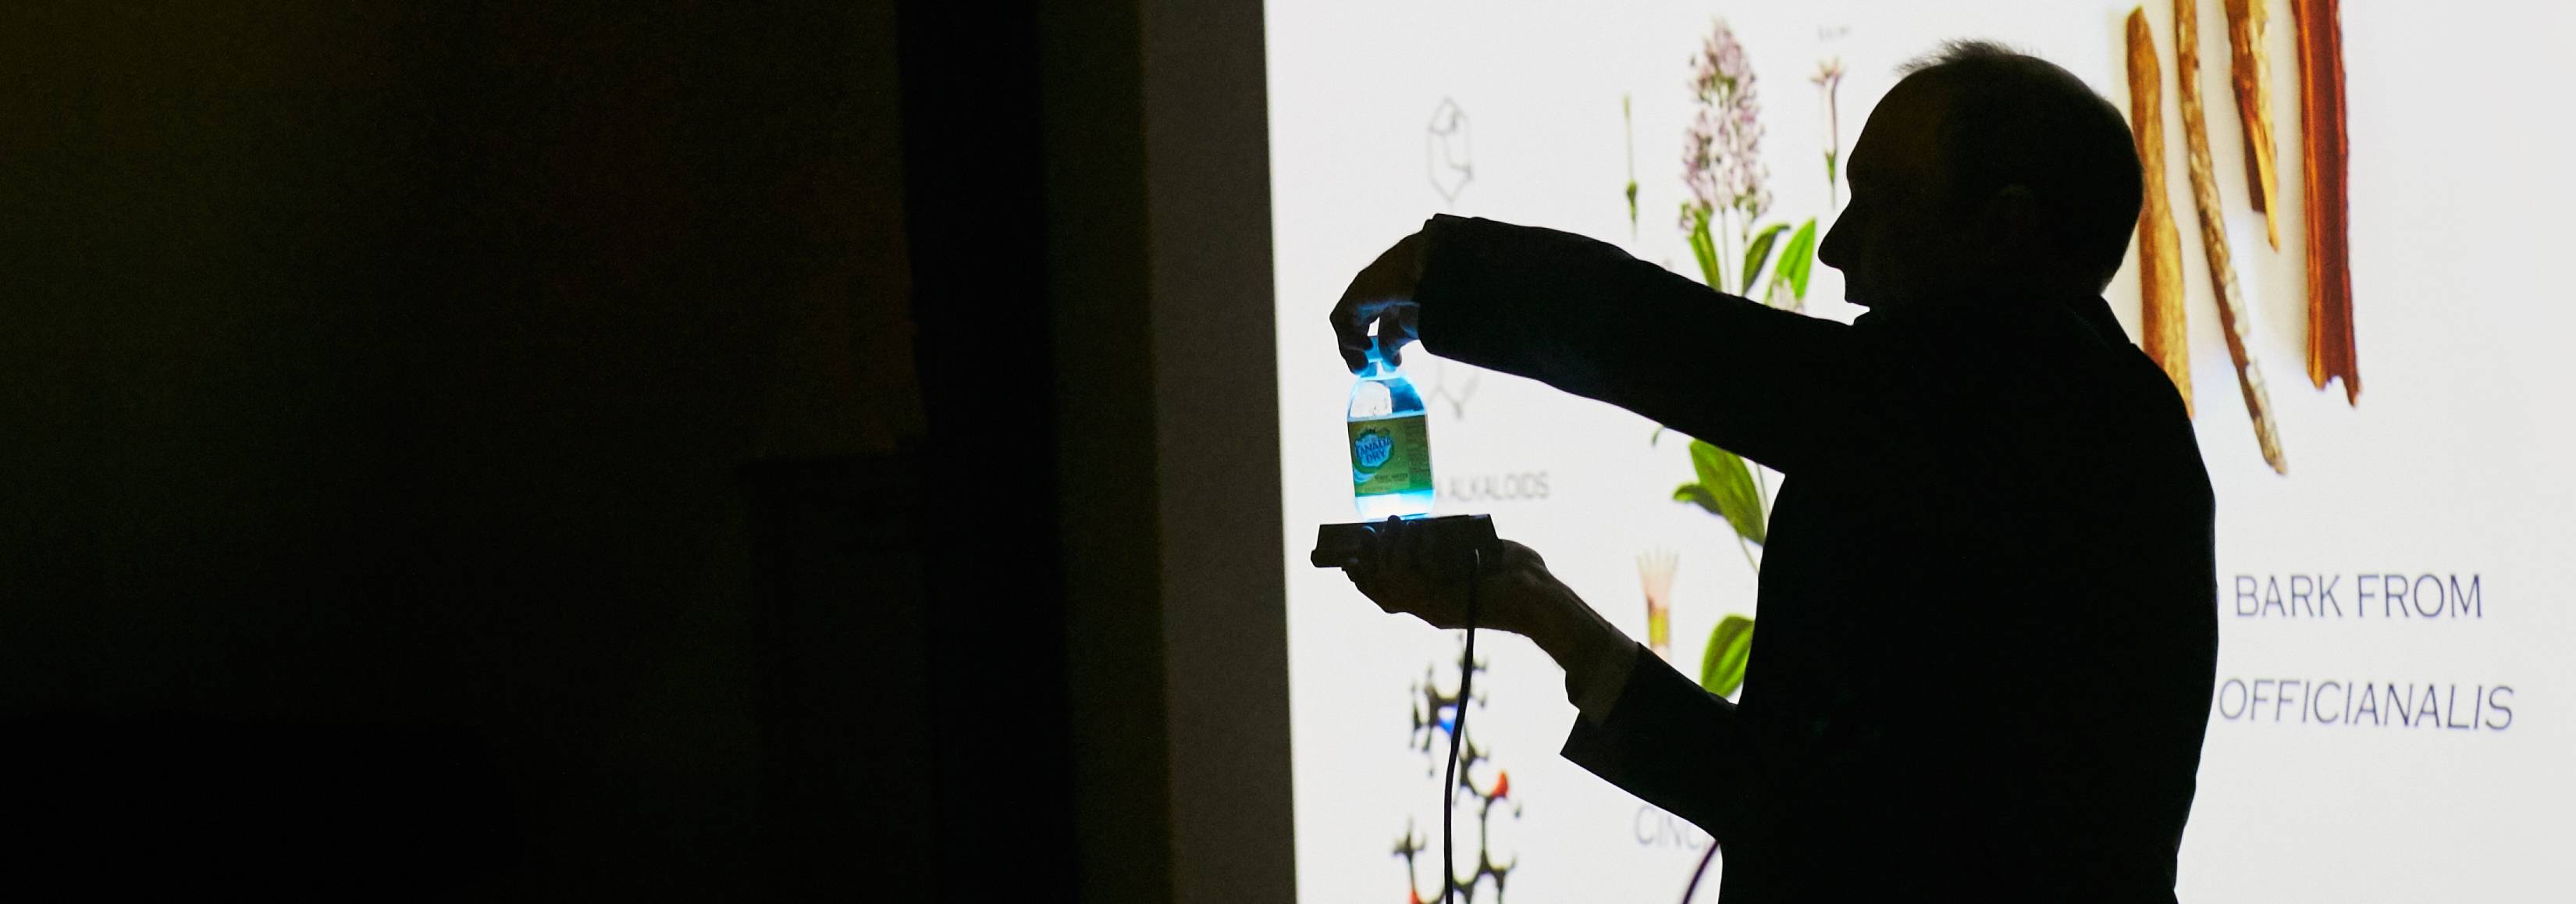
pixel 1676 746
pixel 1645 727
pixel 1585 317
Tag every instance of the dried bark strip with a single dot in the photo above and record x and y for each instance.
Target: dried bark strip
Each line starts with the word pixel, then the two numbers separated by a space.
pixel 2160 291
pixel 2213 237
pixel 2323 164
pixel 2250 70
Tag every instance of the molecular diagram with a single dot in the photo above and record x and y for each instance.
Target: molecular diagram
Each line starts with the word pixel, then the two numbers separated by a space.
pixel 1446 156
pixel 1435 717
pixel 1432 377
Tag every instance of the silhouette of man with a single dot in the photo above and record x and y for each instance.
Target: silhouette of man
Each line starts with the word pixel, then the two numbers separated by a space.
pixel 1988 601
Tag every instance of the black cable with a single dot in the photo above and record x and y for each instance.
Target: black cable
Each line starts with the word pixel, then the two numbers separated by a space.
pixel 1458 732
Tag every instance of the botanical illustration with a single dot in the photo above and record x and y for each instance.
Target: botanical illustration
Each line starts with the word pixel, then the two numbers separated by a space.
pixel 1725 215
pixel 1655 576
pixel 2237 322
pixel 1727 220
pixel 2322 169
pixel 1722 165
pixel 2162 330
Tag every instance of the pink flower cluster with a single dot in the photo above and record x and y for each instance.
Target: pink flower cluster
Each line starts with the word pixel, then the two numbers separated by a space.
pixel 1721 159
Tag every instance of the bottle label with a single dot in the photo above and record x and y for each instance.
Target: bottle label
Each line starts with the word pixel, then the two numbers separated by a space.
pixel 1390 455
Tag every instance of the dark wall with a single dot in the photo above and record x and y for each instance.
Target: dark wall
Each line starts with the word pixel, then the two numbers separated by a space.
pixel 376 381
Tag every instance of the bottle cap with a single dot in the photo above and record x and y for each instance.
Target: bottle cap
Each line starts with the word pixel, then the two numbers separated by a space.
pixel 1377 365
pixel 1382 351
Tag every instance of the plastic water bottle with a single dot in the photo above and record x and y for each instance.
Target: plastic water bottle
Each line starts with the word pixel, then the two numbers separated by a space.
pixel 1390 442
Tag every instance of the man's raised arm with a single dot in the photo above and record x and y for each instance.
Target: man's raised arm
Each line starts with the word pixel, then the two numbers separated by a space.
pixel 1585 317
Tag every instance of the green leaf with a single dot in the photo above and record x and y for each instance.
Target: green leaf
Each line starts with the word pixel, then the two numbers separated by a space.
pixel 1721 667
pixel 1757 252
pixel 1798 260
pixel 1725 488
pixel 1704 248
pixel 1698 495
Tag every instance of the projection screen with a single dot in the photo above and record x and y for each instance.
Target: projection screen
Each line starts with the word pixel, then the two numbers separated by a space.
pixel 2386 725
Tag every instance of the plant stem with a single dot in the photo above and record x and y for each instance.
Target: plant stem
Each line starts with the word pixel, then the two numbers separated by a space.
pixel 1761 494
pixel 1717 239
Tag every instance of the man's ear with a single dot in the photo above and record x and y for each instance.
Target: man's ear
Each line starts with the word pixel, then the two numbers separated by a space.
pixel 2012 213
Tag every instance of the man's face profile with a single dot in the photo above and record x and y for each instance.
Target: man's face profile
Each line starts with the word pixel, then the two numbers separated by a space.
pixel 1896 241
pixel 1992 177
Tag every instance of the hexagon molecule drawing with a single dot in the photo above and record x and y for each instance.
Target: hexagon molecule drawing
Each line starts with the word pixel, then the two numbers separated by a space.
pixel 1447 381
pixel 1446 154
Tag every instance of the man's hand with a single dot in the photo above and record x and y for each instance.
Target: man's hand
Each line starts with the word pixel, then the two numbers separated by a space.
pixel 1381 294
pixel 1406 572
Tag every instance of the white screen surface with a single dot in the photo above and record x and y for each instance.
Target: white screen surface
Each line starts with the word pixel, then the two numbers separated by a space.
pixel 2447 466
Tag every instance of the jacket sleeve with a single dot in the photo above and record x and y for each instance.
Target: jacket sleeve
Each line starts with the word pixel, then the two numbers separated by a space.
pixel 1586 318
pixel 1678 747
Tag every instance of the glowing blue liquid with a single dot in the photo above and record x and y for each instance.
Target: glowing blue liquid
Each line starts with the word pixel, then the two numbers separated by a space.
pixel 1383 393
pixel 1378 507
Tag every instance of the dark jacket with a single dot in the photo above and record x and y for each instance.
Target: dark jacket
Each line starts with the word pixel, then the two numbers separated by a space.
pixel 1988 605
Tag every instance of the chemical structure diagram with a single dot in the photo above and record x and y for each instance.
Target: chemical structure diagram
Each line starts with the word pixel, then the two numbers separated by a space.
pixel 1446 154
pixel 1435 718
pixel 1448 159
pixel 1447 381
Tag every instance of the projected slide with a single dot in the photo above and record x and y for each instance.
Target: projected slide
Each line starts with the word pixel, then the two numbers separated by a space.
pixel 2371 329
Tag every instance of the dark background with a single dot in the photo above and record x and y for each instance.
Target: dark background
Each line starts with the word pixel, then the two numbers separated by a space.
pixel 588 450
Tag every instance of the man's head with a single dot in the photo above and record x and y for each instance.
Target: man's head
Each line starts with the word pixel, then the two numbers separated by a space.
pixel 1985 172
